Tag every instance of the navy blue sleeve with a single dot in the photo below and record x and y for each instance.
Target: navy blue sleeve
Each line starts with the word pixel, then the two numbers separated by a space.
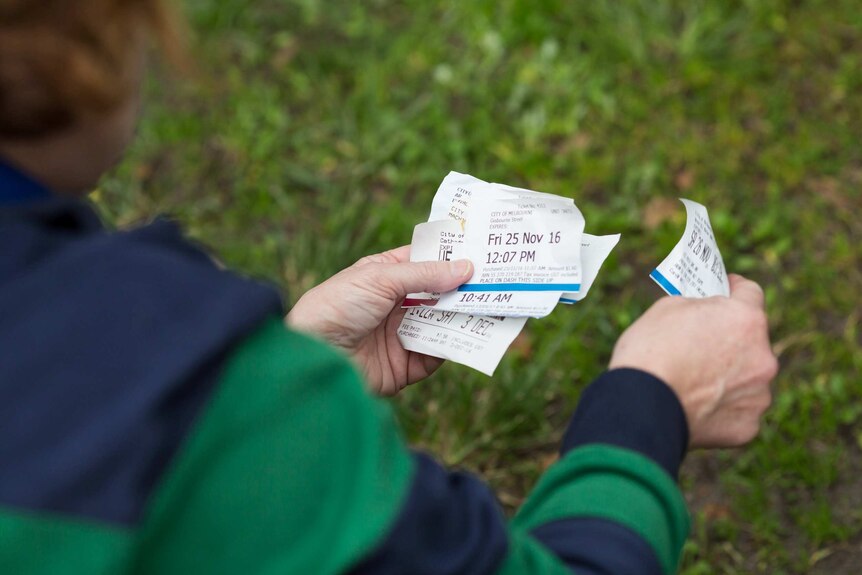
pixel 634 410
pixel 112 343
pixel 594 546
pixel 451 523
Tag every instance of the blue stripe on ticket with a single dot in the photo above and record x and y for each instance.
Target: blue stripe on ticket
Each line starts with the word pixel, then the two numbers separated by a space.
pixel 664 283
pixel 520 287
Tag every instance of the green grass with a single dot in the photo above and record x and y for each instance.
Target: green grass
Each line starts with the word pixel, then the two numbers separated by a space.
pixel 317 132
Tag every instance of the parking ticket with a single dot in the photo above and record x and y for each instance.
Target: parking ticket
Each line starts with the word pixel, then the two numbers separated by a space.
pixel 594 251
pixel 469 339
pixel 434 241
pixel 444 241
pixel 526 254
pixel 476 341
pixel 694 267
pixel 456 191
pixel 524 246
pixel 454 195
pixel 481 341
pixel 529 253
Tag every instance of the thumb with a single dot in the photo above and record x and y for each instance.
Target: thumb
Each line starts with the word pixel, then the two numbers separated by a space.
pixel 745 290
pixel 411 277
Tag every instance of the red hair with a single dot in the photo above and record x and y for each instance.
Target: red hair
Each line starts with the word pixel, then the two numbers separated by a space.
pixel 61 59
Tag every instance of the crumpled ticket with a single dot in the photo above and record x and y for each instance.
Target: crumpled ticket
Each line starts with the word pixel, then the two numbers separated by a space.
pixel 529 253
pixel 594 251
pixel 473 340
pixel 694 267
pixel 524 245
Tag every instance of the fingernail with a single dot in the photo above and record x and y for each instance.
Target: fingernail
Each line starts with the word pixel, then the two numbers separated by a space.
pixel 460 268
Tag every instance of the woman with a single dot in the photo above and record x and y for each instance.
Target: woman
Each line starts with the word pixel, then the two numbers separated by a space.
pixel 159 417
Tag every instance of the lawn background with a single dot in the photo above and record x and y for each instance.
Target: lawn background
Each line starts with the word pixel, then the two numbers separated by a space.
pixel 311 133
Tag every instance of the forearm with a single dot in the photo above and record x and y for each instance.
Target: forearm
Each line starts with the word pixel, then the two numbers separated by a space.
pixel 306 473
pixel 609 506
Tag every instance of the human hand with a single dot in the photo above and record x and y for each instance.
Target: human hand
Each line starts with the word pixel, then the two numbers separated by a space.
pixel 359 310
pixel 715 354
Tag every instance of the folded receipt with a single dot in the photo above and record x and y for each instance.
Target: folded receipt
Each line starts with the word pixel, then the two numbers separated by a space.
pixel 529 252
pixel 694 268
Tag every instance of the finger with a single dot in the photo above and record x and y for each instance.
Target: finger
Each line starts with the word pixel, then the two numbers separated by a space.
pixel 428 365
pixel 393 256
pixel 746 290
pixel 411 277
pixel 400 254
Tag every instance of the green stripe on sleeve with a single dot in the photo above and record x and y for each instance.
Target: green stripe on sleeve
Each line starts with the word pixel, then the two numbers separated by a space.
pixel 616 484
pixel 46 544
pixel 292 468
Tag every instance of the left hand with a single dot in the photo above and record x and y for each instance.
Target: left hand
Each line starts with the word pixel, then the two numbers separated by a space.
pixel 359 310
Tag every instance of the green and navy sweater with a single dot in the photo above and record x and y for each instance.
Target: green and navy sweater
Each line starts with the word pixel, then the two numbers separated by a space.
pixel 157 417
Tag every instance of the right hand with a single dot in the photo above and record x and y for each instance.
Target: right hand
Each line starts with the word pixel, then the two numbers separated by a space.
pixel 715 354
pixel 359 310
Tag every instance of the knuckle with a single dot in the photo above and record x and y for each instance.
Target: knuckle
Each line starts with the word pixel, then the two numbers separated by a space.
pixel 756 320
pixel 373 270
pixel 364 261
pixel 429 270
pixel 751 320
pixel 761 322
pixel 751 432
pixel 387 257
pixel 375 276
pixel 770 367
pixel 754 286
pixel 735 308
pixel 764 402
pixel 758 287
pixel 746 431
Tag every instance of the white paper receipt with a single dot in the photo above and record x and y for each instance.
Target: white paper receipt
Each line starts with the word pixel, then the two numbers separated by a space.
pixel 524 245
pixel 694 267
pixel 594 251
pixel 476 341
pixel 443 240
pixel 434 241
pixel 529 253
